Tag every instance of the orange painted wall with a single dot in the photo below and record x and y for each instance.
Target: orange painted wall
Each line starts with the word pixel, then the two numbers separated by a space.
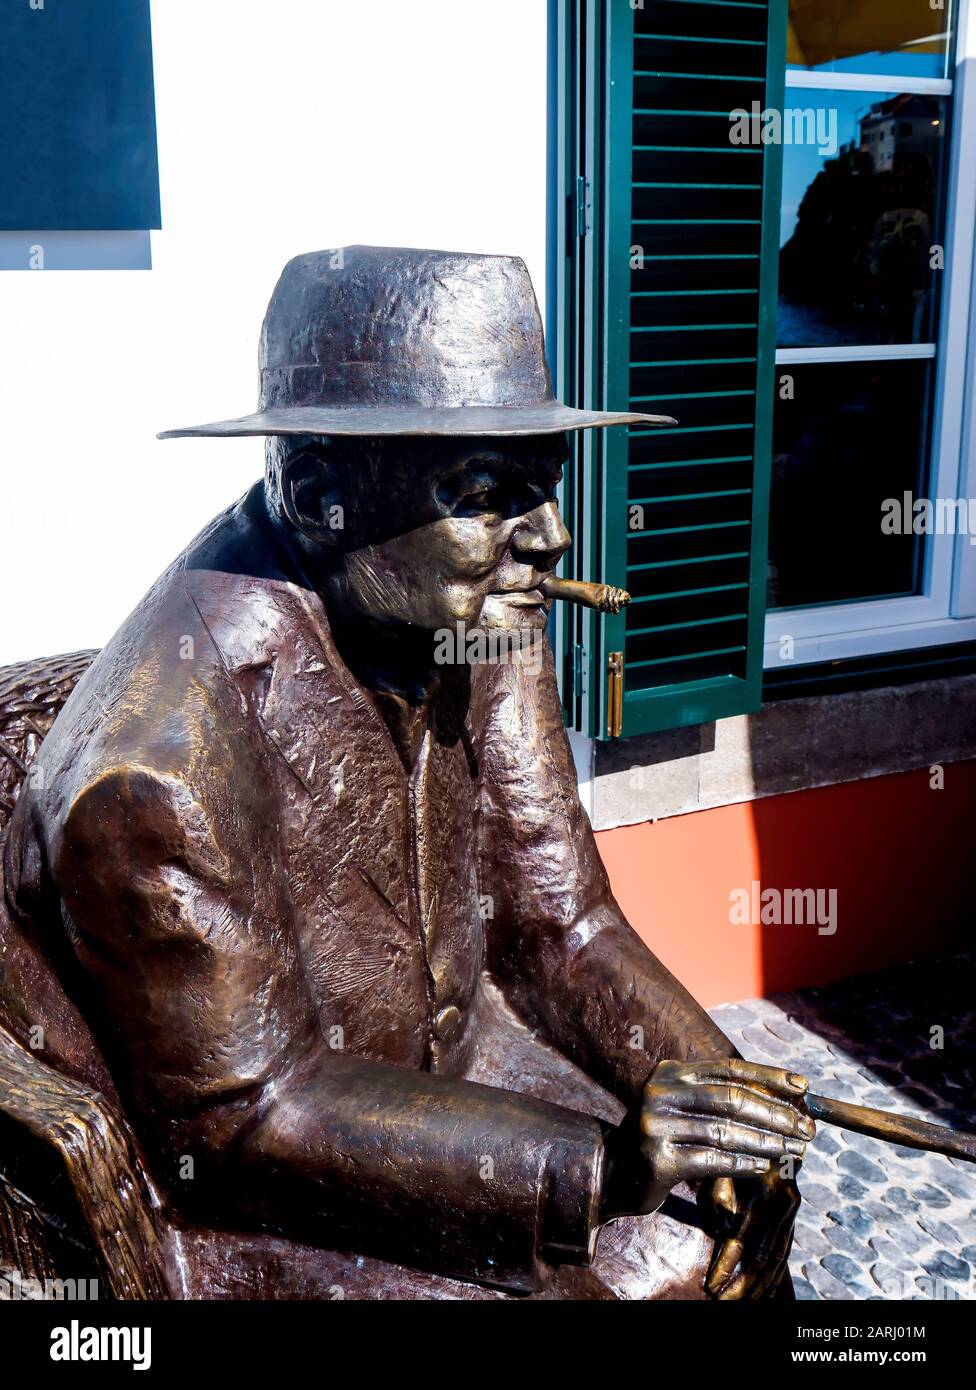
pixel 899 853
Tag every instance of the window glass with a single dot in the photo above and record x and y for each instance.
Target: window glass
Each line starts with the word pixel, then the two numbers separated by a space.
pixel 897 38
pixel 847 438
pixel 862 218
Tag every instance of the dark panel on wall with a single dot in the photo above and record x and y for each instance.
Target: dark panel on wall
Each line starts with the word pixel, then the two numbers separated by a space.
pixel 77 119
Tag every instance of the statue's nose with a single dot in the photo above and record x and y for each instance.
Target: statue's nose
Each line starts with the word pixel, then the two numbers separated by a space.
pixel 541 537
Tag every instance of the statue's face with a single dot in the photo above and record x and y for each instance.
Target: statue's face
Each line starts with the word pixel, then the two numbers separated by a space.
pixel 475 529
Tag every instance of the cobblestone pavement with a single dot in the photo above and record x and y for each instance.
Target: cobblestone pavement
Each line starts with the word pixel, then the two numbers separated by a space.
pixel 879 1221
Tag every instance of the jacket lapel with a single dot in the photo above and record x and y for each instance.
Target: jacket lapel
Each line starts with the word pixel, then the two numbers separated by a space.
pixel 274 643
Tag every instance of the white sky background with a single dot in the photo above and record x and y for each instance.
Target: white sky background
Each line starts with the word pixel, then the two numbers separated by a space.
pixel 283 127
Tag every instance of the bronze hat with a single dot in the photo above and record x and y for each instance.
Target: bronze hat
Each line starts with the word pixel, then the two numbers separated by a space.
pixel 375 340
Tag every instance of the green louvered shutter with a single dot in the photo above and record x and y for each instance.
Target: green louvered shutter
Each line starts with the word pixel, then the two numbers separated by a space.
pixel 663 254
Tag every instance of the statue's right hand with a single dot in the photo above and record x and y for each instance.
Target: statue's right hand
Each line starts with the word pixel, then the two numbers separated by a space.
pixel 705 1119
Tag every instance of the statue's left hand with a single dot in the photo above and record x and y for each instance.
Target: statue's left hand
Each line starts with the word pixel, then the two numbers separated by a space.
pixel 755 1217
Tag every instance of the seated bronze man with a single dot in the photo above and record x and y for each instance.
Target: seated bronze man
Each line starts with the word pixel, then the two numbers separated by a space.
pixel 328 915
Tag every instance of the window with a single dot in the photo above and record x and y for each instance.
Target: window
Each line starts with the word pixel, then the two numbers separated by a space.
pixel 875 278
pixel 891 37
pixel 851 435
pixel 798 293
pixel 861 214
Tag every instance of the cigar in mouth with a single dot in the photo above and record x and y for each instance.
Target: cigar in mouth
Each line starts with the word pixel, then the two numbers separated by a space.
pixel 602 597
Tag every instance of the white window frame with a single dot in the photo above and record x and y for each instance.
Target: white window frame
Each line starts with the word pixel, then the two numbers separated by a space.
pixel 945 610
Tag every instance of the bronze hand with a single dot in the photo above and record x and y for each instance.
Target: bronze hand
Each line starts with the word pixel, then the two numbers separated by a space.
pixel 704 1120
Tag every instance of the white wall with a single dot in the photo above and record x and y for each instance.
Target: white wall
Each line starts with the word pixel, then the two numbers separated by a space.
pixel 284 126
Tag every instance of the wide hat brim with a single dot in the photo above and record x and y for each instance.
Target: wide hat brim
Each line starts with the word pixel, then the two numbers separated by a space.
pixel 545 418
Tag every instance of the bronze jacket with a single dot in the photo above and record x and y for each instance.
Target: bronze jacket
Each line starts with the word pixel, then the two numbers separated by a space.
pixel 286 941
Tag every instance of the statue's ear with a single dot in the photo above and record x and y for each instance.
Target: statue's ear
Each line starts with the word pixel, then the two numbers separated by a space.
pixel 313 495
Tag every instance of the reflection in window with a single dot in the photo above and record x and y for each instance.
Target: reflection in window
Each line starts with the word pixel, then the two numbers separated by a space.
pixel 860 222
pixel 853 435
pixel 897 38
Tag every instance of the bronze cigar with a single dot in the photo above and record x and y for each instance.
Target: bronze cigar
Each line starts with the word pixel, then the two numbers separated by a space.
pixel 603 597
pixel 893 1129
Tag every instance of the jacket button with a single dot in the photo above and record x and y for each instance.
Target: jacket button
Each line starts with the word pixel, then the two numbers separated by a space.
pixel 446 1022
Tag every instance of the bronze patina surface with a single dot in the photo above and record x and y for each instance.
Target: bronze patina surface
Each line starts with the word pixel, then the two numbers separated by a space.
pixel 319 917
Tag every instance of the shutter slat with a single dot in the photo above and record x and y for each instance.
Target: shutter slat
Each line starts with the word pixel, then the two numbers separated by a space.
pixel 682 627
pixel 689 656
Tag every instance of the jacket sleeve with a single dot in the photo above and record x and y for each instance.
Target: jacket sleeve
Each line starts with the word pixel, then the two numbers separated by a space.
pixel 558 943
pixel 178 911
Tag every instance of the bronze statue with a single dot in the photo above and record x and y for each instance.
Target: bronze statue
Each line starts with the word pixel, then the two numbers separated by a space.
pixel 317 919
